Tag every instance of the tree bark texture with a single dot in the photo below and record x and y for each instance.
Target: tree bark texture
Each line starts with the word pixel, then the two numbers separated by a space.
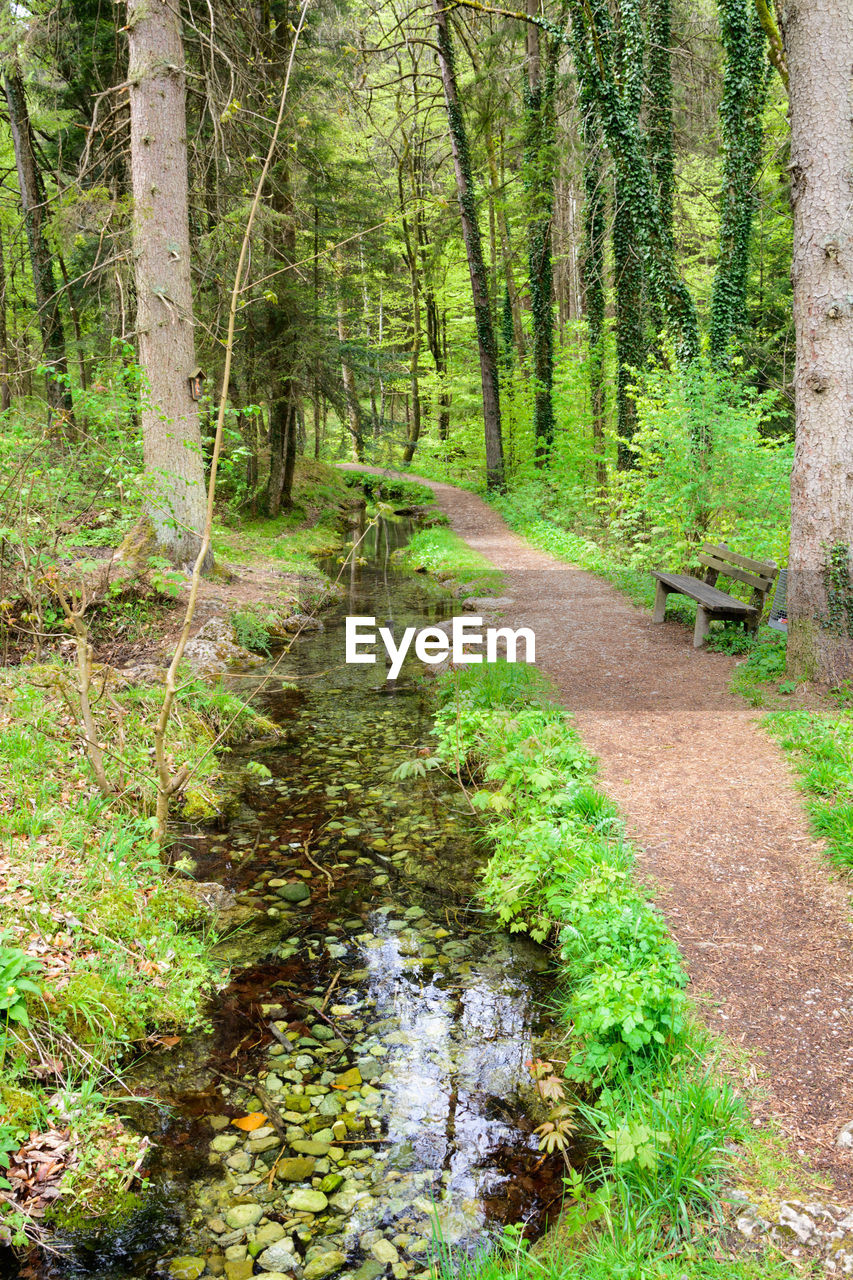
pixel 176 497
pixel 819 49
pixel 474 250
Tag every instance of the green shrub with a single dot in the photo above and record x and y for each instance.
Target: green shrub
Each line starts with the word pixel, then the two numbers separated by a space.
pixel 559 866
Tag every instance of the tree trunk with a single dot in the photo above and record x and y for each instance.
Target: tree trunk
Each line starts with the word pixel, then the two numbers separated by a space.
pixel 660 125
pixel 34 205
pixel 627 260
pixel 474 250
pixel 161 246
pixel 539 164
pixel 283 441
pixel 5 388
pixel 347 375
pixel 592 278
pixel 745 82
pixel 819 46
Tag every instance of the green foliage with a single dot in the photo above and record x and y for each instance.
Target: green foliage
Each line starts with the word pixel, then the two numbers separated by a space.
pixel 560 866
pixel 440 552
pixel 668 1147
pixel 838 619
pixel 821 746
pixel 16 982
pixel 673 500
pixel 390 488
pixel 764 665
pixel 252 628
pixel 593 43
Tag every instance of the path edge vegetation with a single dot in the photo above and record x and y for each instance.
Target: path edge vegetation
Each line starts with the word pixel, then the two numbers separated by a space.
pixel 637 1073
pixel 110 947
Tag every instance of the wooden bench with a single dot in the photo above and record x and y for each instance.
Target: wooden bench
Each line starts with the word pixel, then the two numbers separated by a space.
pixel 718 560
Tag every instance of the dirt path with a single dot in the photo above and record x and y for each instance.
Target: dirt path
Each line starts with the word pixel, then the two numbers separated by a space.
pixel 708 798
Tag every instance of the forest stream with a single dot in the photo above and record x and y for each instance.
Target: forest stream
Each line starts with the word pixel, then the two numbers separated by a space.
pixel 377 1024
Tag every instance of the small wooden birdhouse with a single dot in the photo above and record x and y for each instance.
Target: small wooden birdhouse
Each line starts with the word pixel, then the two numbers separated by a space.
pixel 196 383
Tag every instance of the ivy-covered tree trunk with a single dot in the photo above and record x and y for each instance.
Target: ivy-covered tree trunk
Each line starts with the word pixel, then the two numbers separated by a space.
pixel 592 277
pixel 34 205
pixel 595 64
pixel 660 126
pixel 539 184
pixel 819 46
pixel 745 80
pixel 474 250
pixel 627 258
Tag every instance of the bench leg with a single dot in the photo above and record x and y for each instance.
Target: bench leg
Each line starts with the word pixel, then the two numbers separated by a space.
pixel 700 631
pixel 660 603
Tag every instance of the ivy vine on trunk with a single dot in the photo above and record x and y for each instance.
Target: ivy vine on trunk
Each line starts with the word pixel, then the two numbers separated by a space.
pixel 745 82
pixel 595 61
pixel 539 161
pixel 627 255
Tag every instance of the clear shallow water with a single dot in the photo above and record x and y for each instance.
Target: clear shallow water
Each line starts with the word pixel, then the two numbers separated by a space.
pixel 378 1017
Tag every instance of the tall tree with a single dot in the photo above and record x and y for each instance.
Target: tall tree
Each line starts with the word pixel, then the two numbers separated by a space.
pixel 161 247
pixel 745 79
pixel 539 162
pixel 627 250
pixel 487 345
pixel 592 273
pixel 660 123
pixel 34 204
pixel 593 44
pixel 819 46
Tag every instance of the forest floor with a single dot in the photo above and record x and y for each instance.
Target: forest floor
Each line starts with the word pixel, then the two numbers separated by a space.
pixel 762 920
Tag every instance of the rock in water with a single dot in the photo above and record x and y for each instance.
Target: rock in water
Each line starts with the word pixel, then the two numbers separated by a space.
pixel 188 1268
pixel 279 1257
pixel 294 892
pixel 243 1216
pixel 307 1201
pixel 324 1264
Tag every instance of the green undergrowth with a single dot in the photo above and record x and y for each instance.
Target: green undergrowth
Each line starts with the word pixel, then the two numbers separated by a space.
pixel 820 745
pixel 818 742
pixel 442 553
pixel 620 1258
pixel 323 500
pixel 389 488
pixel 102 945
pixel 636 1075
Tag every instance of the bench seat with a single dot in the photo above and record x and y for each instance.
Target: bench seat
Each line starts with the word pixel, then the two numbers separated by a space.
pixel 718 559
pixel 684 584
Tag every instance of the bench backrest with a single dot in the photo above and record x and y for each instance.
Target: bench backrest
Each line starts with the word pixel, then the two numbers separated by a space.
pixel 759 574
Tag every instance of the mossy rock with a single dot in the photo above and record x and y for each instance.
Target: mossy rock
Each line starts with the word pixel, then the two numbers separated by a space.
pixel 199 806
pixel 88 1003
pixel 87 1216
pixel 18 1105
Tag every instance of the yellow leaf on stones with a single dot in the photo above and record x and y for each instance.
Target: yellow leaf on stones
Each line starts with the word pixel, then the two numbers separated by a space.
pixel 248 1123
pixel 349 1080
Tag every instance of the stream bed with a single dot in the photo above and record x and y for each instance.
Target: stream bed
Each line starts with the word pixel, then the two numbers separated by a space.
pixel 377 1024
